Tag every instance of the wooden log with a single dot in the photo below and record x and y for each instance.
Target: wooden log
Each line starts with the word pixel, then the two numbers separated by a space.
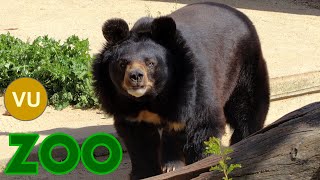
pixel 286 149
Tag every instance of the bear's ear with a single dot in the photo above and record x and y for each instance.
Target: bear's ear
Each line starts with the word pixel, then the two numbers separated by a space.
pixel 163 28
pixel 115 30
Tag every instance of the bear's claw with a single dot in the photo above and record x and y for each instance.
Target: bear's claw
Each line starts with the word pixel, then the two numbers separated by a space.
pixel 172 166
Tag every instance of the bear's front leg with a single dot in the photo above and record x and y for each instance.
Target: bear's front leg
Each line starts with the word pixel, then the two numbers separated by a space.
pixel 172 143
pixel 207 123
pixel 143 144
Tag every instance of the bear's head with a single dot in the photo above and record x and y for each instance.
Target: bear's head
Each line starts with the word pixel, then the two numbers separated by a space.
pixel 139 64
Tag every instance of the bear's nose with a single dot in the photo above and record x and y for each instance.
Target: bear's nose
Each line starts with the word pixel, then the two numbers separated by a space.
pixel 136 76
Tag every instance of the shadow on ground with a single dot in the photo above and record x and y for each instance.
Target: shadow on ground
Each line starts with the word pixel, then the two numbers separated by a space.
pixel 75 132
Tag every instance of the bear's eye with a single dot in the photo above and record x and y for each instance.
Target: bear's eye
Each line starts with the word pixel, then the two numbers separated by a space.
pixel 150 64
pixel 123 63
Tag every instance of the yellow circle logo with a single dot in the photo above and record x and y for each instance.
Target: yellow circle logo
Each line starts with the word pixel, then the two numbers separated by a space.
pixel 25 99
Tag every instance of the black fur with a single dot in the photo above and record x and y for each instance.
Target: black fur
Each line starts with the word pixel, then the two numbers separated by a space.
pixel 115 29
pixel 209 71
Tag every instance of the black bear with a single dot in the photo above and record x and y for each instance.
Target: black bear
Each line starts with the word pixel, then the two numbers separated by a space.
pixel 186 74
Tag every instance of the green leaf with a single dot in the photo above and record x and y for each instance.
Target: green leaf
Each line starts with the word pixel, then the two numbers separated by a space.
pixel 216 168
pixel 227 151
pixel 213 146
pixel 222 164
pixel 232 167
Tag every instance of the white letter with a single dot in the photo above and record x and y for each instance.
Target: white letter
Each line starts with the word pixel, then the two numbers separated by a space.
pixel 37 102
pixel 18 102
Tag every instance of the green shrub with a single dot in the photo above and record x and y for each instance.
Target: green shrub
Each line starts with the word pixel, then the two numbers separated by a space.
pixel 213 146
pixel 62 67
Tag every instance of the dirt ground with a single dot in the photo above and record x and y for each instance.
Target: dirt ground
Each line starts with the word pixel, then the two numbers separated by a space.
pixel 288 29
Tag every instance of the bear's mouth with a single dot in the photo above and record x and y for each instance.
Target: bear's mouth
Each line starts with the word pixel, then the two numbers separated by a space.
pixel 137 87
pixel 137 91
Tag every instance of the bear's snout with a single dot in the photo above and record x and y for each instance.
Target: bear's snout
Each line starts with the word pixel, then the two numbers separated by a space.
pixel 136 76
pixel 136 81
